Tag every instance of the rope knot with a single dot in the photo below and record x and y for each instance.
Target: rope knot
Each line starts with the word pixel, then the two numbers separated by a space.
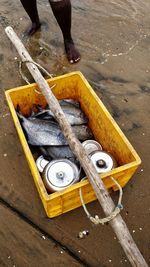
pixel 96 220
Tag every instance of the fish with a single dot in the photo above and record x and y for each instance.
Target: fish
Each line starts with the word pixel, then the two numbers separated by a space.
pixel 41 132
pixel 48 133
pixel 44 114
pixel 74 114
pixel 68 102
pixel 82 132
pixel 57 152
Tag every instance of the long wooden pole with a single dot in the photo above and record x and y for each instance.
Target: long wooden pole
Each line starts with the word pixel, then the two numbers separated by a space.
pixel 118 225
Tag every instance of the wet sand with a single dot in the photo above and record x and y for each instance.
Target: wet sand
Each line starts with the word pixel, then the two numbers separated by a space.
pixel 114 41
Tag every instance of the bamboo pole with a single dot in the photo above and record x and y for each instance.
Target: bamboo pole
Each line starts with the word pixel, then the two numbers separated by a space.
pixel 131 250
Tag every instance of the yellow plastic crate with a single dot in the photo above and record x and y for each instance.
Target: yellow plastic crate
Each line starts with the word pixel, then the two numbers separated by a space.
pixel 103 126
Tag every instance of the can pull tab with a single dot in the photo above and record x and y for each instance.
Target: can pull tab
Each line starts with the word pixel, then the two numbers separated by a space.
pixel 101 163
pixel 60 175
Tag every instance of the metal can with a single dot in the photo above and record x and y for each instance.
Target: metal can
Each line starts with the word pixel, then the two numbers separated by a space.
pixel 103 161
pixel 60 174
pixel 91 145
pixel 41 163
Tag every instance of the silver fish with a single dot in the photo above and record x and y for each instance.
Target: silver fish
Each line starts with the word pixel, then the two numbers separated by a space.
pixel 74 114
pixel 82 132
pixel 68 102
pixel 56 152
pixel 42 132
pixel 48 133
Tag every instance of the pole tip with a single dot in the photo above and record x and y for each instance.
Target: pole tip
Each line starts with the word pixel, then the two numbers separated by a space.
pixel 8 28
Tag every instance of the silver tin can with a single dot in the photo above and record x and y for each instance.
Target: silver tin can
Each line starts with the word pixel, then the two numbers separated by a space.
pixel 103 162
pixel 41 163
pixel 91 145
pixel 60 174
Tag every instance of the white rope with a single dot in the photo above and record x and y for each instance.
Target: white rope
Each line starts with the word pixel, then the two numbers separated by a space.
pixel 39 66
pixel 96 220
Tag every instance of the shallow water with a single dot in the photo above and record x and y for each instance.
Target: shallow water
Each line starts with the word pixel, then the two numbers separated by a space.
pixel 114 40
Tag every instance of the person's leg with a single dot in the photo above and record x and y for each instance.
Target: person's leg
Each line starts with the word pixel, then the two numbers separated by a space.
pixel 30 7
pixel 62 13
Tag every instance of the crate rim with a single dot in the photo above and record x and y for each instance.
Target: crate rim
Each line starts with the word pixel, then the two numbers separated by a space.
pixel 29 156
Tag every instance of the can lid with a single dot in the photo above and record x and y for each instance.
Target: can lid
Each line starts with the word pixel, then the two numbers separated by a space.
pixel 91 146
pixel 103 161
pixel 41 163
pixel 59 174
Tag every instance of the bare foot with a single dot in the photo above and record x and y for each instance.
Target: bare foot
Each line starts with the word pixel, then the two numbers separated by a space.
pixel 33 29
pixel 72 53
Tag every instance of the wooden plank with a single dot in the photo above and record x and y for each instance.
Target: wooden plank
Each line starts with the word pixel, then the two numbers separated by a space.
pixel 118 224
pixel 22 245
